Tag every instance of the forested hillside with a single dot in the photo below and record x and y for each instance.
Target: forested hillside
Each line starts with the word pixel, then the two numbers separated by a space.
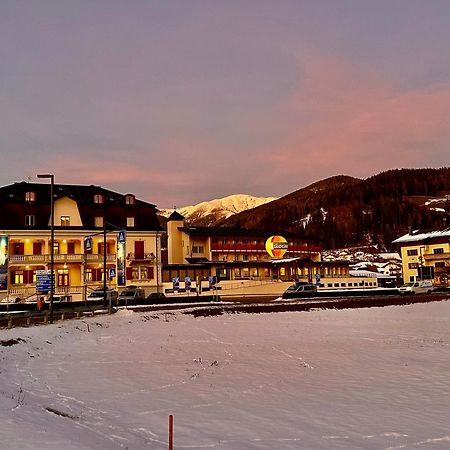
pixel 344 211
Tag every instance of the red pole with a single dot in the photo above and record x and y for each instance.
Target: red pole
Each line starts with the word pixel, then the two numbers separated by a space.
pixel 170 432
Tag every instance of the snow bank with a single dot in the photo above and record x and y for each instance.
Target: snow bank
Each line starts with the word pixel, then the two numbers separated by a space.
pixel 370 378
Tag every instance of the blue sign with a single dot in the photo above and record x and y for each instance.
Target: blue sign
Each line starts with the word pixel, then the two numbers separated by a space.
pixel 88 243
pixel 112 272
pixel 176 284
pixel 43 281
pixel 187 284
pixel 121 237
pixel 317 278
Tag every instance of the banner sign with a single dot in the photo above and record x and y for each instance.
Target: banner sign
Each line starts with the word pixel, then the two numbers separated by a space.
pixel 3 263
pixel 88 244
pixel 276 246
pixel 187 284
pixel 121 248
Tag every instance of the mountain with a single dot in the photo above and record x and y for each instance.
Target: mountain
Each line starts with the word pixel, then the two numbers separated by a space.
pixel 343 211
pixel 211 212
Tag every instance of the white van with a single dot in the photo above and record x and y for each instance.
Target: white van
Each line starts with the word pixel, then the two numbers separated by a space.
pixel 418 287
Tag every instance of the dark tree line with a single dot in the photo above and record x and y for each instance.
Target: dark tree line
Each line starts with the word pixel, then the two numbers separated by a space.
pixel 345 211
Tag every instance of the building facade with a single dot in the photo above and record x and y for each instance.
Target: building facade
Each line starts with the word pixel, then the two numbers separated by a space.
pixel 87 222
pixel 426 255
pixel 240 254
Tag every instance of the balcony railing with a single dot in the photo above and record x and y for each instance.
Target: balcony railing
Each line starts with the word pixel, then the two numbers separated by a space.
pixel 436 256
pixel 150 257
pixel 59 258
pixel 218 247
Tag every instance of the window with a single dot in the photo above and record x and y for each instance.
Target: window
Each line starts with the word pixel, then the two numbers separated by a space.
pixel 130 199
pixel 88 275
pixel 130 221
pixel 438 250
pixel 63 277
pixel 413 265
pixel 37 248
pixel 197 249
pixel 18 277
pixel 413 252
pixel 439 264
pixel 30 196
pixel 98 221
pixel 30 221
pixel 98 198
pixel 65 221
pixel 56 248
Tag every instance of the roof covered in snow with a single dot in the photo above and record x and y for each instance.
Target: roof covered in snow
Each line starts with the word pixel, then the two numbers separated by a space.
pixel 418 235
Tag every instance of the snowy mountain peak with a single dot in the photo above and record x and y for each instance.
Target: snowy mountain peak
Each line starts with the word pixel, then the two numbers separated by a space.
pixel 210 212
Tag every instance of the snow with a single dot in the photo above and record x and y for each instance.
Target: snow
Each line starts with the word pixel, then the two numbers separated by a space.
pixel 220 208
pixel 417 236
pixel 376 378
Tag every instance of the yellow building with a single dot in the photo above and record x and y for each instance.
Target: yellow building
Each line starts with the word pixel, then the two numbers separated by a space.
pixel 426 255
pixel 83 217
pixel 239 254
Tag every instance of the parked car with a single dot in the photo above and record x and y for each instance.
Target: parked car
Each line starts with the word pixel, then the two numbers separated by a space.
pixel 98 294
pixel 418 287
pixel 132 293
pixel 299 290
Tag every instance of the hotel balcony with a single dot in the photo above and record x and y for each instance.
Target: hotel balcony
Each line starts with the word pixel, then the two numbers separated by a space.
pixel 260 248
pixel 60 259
pixel 436 256
pixel 148 257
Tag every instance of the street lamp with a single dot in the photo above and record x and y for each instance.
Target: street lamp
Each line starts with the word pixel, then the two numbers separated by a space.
pixel 52 238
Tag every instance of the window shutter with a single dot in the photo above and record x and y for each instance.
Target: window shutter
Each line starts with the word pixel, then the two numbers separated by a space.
pixel 129 273
pixel 150 273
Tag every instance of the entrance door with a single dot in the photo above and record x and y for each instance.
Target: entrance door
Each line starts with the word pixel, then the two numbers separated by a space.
pixel 63 277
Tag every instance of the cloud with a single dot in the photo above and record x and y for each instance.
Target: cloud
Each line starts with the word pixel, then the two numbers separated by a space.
pixel 346 120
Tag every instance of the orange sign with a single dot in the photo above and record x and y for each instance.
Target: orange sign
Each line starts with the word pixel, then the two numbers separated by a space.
pixel 276 246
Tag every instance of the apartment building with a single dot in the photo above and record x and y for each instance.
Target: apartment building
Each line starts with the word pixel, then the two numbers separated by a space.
pixel 426 255
pixel 88 221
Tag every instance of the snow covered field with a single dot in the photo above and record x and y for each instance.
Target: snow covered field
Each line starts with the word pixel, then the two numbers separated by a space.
pixel 374 378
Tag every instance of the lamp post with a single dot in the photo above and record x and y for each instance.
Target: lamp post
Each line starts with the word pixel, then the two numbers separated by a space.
pixel 52 238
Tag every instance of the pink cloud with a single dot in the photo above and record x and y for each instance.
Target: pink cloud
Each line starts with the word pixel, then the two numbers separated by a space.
pixel 351 121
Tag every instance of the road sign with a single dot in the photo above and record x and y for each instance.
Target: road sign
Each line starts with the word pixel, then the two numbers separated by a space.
pixel 112 272
pixel 43 280
pixel 121 237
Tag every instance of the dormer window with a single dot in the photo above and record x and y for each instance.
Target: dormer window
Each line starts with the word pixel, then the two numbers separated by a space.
pixel 98 198
pixel 30 196
pixel 130 199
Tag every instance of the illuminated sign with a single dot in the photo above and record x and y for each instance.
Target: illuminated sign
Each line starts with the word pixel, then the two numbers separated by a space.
pixel 276 246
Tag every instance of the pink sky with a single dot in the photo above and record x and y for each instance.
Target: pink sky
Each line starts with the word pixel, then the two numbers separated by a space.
pixel 183 104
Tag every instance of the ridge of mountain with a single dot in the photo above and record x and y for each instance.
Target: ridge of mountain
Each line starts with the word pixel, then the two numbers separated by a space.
pixel 211 212
pixel 344 211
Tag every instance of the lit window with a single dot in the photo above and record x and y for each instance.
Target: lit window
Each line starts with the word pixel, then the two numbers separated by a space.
pixel 30 196
pixel 130 199
pixel 197 249
pixel 130 221
pixel 65 221
pixel 30 221
pixel 98 221
pixel 18 277
pixel 98 198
